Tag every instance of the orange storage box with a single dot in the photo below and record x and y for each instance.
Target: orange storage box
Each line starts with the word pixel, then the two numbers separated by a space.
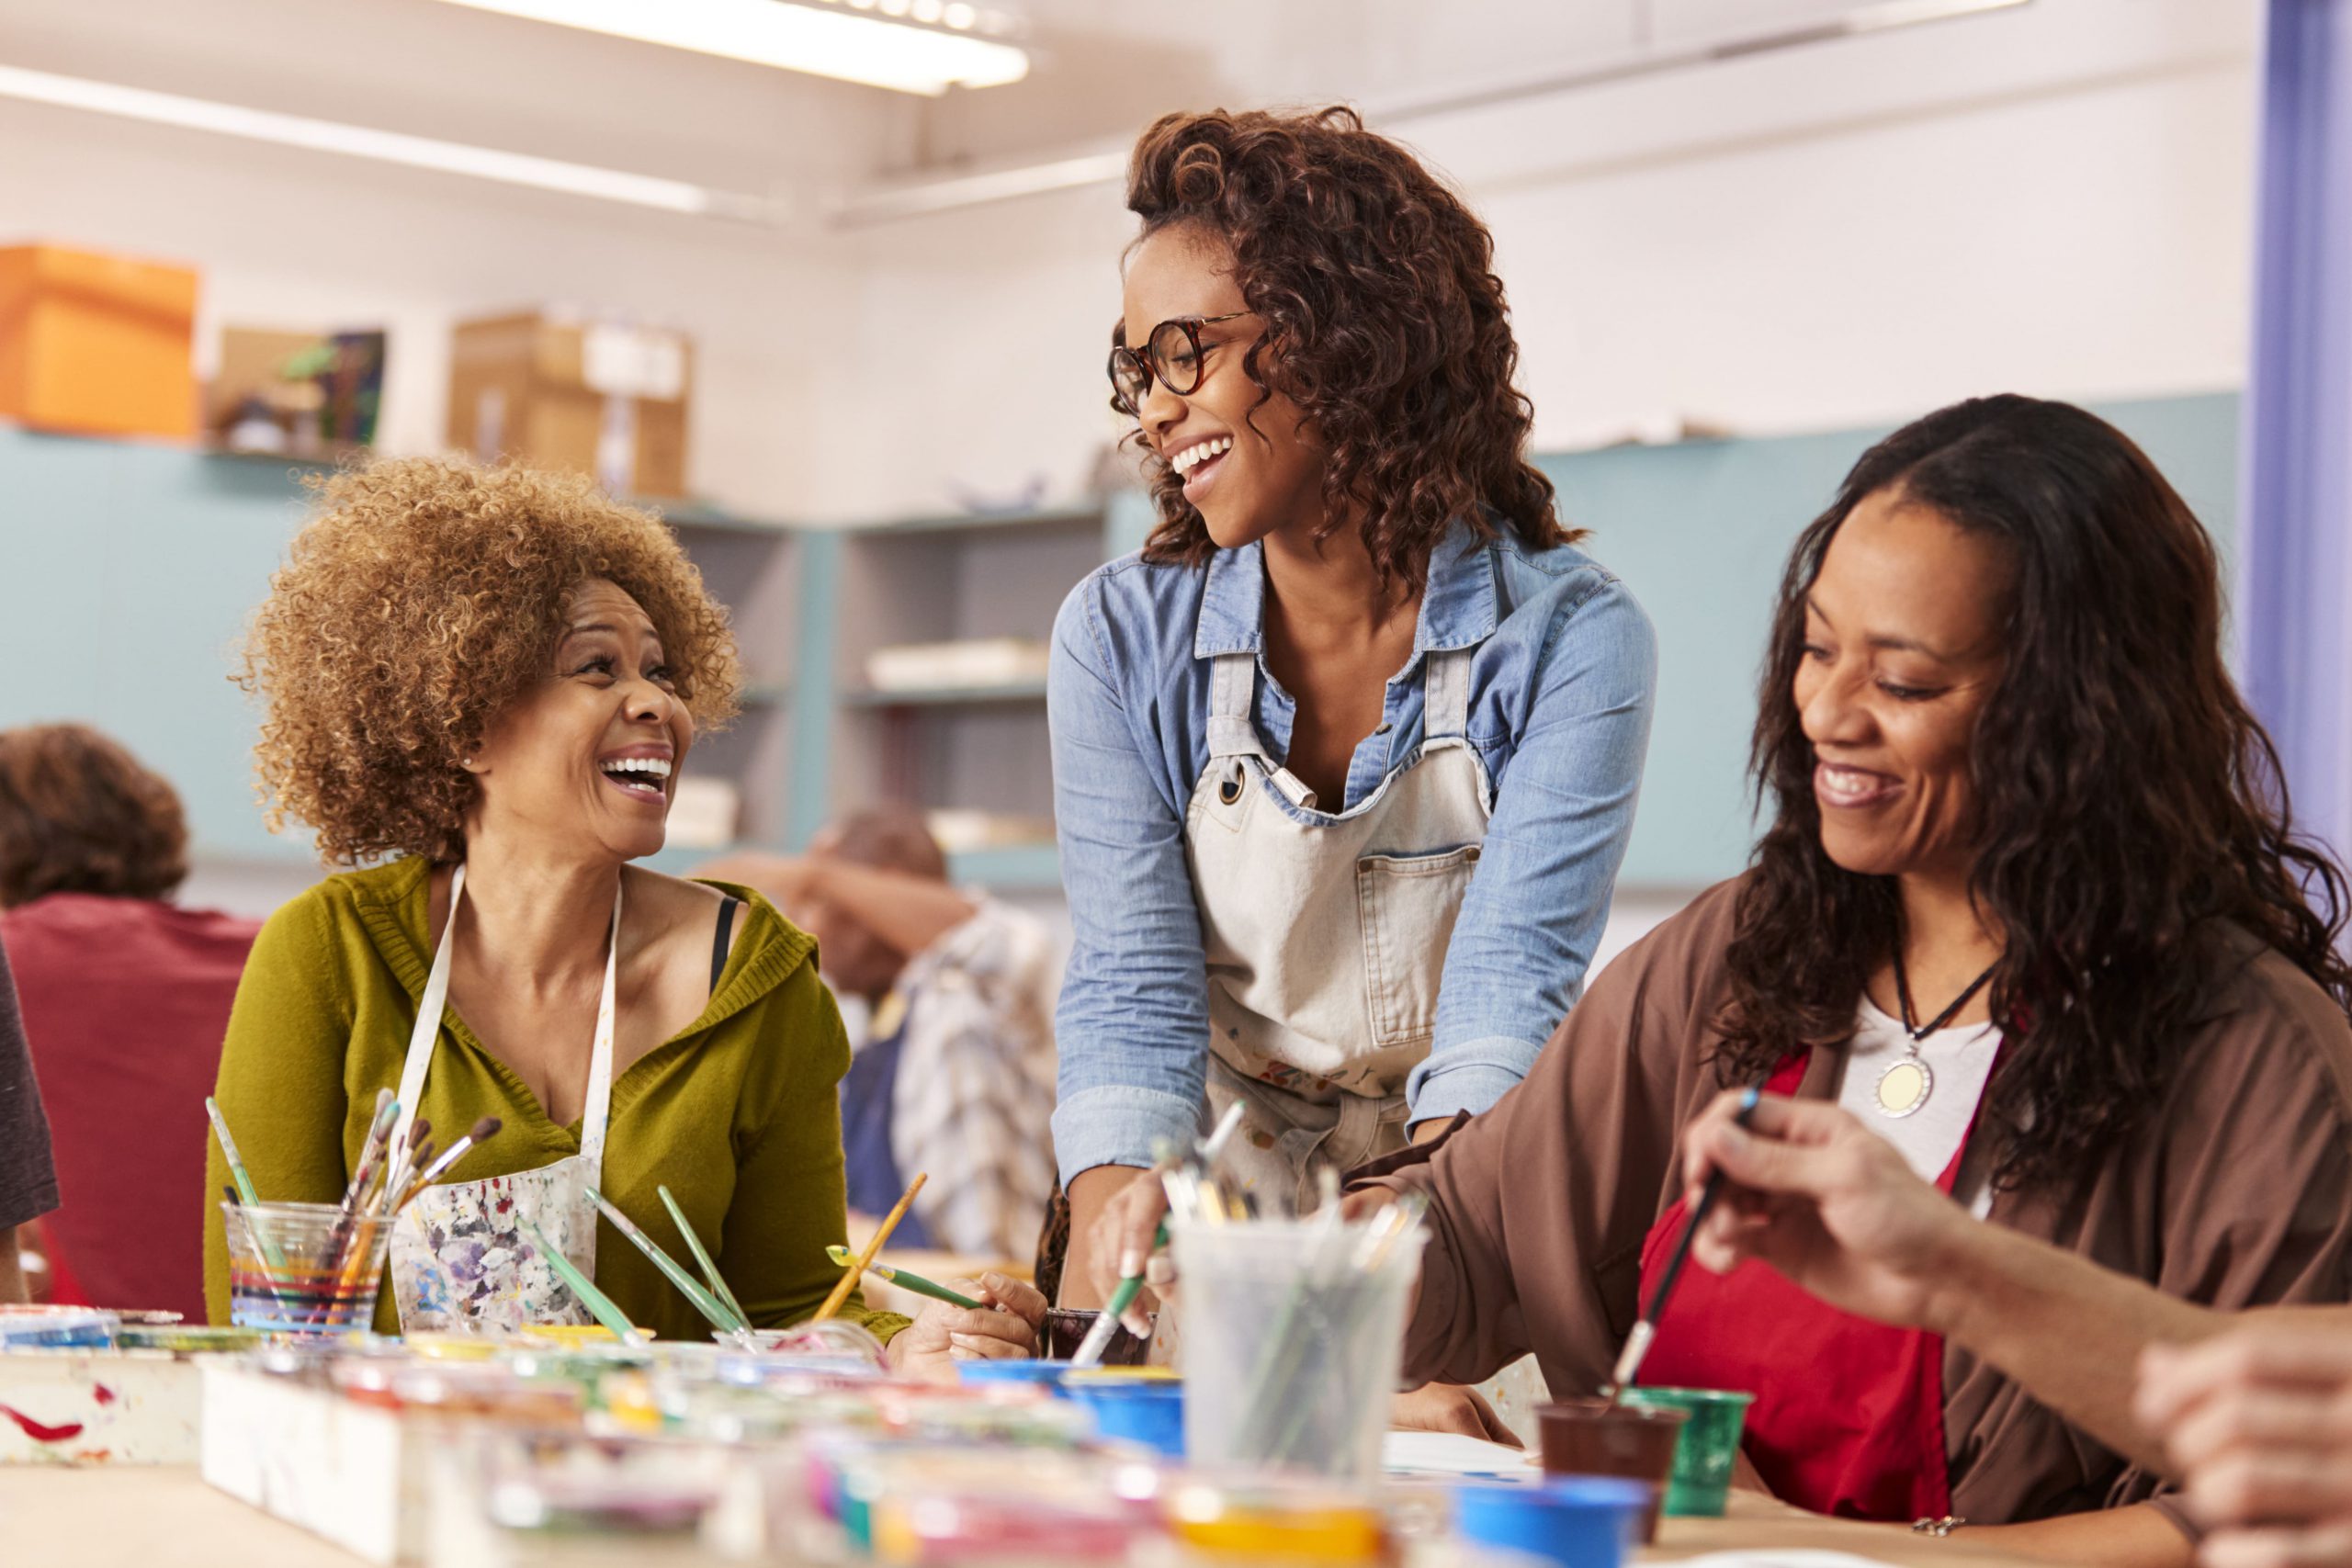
pixel 96 343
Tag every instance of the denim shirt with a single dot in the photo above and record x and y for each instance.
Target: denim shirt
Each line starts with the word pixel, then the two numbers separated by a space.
pixel 1560 696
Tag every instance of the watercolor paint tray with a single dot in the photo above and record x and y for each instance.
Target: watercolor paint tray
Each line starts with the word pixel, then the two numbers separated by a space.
pixel 92 1407
pixel 349 1472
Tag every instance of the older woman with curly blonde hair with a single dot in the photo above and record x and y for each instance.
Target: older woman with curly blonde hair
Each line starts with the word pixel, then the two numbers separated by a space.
pixel 483 684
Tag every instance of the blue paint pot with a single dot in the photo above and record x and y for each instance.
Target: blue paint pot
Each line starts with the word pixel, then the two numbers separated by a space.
pixel 1576 1521
pixel 1045 1373
pixel 1148 1412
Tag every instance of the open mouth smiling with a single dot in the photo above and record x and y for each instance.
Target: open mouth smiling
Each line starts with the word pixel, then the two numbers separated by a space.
pixel 644 779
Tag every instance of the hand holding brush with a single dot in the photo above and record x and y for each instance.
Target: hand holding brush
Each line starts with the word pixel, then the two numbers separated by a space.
pixel 1645 1330
pixel 1195 1170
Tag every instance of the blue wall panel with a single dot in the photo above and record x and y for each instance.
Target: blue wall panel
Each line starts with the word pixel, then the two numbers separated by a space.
pixel 1701 531
pixel 132 569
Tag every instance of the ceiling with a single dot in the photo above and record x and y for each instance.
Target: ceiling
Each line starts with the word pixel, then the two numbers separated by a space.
pixel 1100 69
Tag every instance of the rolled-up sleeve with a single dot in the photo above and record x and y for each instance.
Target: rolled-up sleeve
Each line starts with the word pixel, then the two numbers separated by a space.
pixel 1132 1027
pixel 1536 909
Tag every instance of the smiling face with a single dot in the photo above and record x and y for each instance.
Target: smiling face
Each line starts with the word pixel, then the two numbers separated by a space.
pixel 1248 469
pixel 1902 650
pixel 591 755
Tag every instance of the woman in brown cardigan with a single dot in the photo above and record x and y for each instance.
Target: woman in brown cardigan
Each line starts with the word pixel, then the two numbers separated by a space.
pixel 2028 908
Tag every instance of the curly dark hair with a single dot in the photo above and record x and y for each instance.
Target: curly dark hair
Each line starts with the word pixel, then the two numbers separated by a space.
pixel 426 595
pixel 2131 812
pixel 1385 323
pixel 79 815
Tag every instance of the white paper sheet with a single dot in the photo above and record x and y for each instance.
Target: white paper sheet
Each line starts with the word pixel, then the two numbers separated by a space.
pixel 1450 1453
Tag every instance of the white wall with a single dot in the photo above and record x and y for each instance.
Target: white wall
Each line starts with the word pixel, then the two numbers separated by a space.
pixel 285 238
pixel 302 239
pixel 2056 199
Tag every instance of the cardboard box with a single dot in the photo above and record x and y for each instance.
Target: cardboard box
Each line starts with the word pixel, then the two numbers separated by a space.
pixel 557 391
pixel 96 345
pixel 90 1407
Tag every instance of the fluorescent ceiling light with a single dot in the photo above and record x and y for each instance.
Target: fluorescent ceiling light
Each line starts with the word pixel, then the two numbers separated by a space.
pixel 850 44
pixel 384 146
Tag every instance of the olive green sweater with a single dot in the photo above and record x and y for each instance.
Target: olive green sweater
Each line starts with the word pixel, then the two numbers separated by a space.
pixel 738 1114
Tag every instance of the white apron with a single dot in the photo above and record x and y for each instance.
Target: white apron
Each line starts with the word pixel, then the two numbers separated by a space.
pixel 461 1258
pixel 1325 937
pixel 1326 940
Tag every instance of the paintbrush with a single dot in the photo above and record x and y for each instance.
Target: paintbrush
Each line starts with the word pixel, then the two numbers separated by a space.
pixel 710 1306
pixel 402 1163
pixel 245 1194
pixel 889 1223
pixel 908 1278
pixel 600 1306
pixel 371 1155
pixel 702 1256
pixel 1106 1323
pixel 379 1124
pixel 443 1161
pixel 1638 1343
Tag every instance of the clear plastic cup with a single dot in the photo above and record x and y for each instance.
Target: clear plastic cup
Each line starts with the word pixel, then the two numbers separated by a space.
pixel 1293 1338
pixel 303 1267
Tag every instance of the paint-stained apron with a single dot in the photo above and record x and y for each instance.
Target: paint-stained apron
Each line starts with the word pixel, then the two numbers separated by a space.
pixel 1325 939
pixel 1849 1417
pixel 1326 935
pixel 462 1260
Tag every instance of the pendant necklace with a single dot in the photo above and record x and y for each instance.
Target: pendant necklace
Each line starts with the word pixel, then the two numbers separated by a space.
pixel 1905 1086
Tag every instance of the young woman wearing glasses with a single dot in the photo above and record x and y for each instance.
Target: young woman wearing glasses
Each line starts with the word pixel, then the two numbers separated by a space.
pixel 1346 758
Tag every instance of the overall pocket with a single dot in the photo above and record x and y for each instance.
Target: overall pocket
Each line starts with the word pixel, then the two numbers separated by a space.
pixel 1408 905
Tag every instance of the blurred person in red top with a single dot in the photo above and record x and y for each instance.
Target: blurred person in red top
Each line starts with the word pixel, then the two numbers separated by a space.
pixel 125 998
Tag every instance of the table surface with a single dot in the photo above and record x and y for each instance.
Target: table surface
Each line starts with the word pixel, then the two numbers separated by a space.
pixel 99 1517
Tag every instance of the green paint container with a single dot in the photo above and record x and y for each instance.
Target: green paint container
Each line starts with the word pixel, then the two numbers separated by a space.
pixel 1700 1480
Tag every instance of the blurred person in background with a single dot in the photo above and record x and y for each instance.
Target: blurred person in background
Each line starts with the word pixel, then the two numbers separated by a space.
pixel 28 1180
pixel 955 1075
pixel 125 998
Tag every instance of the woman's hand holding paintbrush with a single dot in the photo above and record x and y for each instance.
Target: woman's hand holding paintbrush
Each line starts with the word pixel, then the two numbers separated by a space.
pixel 1007 1325
pixel 1152 1266
pixel 1813 1192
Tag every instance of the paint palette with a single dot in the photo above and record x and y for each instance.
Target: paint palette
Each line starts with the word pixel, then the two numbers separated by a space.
pixel 85 1408
pixel 56 1329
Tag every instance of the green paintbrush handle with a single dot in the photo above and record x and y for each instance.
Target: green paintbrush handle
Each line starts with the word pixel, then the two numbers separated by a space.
pixel 600 1306
pixel 1132 1286
pixel 702 1256
pixel 689 1286
pixel 924 1286
pixel 842 1257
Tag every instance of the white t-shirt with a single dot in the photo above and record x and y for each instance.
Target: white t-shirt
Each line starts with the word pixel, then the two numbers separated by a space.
pixel 1960 1058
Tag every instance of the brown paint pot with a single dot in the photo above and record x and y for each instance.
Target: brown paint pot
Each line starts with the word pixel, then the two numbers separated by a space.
pixel 1065 1331
pixel 1593 1437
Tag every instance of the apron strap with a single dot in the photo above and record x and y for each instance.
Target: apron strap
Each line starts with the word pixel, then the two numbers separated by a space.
pixel 1445 694
pixel 1232 690
pixel 597 1112
pixel 426 1032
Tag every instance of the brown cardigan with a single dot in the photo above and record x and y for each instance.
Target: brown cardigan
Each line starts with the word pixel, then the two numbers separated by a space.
pixel 2237 1191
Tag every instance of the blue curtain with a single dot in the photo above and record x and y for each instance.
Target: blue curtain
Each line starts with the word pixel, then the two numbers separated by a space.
pixel 2295 570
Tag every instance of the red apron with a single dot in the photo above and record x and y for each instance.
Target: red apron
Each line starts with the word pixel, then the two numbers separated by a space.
pixel 1849 1417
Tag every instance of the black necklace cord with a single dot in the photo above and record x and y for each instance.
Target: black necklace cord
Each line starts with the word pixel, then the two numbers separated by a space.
pixel 1911 1024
